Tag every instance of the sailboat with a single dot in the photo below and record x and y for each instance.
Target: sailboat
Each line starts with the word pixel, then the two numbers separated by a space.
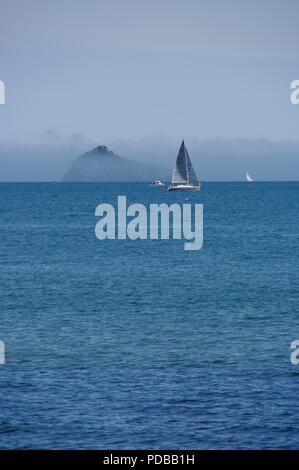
pixel 248 178
pixel 183 176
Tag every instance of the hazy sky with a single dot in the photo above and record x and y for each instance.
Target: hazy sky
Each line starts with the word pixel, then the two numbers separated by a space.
pixel 117 69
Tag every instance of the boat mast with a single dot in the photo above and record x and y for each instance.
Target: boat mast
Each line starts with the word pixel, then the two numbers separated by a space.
pixel 186 163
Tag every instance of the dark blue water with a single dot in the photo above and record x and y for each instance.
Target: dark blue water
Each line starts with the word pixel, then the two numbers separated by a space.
pixel 140 344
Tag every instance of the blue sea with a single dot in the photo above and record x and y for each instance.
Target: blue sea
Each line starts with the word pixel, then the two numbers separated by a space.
pixel 122 344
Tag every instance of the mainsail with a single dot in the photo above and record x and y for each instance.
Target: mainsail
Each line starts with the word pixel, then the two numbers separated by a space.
pixel 248 177
pixel 183 172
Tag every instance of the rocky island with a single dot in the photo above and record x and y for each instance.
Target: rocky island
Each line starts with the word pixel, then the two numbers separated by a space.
pixel 102 164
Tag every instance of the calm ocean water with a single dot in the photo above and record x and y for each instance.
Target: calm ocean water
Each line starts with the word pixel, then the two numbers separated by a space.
pixel 140 344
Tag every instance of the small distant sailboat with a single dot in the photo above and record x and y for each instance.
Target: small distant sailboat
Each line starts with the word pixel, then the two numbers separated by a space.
pixel 183 176
pixel 248 178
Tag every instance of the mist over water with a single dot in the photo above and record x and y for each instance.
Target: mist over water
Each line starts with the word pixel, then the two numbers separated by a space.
pixel 214 160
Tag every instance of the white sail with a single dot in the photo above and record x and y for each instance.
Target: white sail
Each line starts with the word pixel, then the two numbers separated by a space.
pixel 183 172
pixel 248 178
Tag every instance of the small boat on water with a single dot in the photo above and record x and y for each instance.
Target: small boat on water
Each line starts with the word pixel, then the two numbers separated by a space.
pixel 248 178
pixel 157 183
pixel 183 176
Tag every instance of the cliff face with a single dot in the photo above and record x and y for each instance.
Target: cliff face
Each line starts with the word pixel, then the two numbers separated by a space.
pixel 101 164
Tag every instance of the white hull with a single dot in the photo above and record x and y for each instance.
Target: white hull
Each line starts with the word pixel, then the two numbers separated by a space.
pixel 183 187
